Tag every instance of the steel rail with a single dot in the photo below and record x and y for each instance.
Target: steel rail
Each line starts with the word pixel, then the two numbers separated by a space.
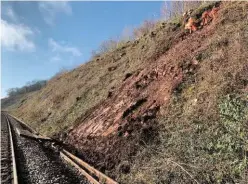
pixel 82 171
pixel 37 135
pixel 14 173
pixel 93 175
pixel 102 178
pixel 25 125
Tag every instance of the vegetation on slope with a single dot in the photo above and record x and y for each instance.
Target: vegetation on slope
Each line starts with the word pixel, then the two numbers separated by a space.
pixel 56 107
pixel 201 133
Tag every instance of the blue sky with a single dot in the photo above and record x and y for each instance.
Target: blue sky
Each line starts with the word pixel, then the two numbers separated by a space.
pixel 40 38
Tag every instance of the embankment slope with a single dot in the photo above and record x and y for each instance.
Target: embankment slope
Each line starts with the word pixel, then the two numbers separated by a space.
pixel 170 107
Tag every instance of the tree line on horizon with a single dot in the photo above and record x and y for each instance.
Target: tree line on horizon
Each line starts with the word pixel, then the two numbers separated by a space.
pixel 29 87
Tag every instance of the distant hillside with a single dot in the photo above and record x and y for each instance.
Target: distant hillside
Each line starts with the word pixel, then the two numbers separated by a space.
pixel 17 96
pixel 30 87
pixel 8 102
pixel 169 107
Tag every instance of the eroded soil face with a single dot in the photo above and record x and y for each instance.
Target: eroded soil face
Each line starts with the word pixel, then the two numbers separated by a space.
pixel 114 130
pixel 165 82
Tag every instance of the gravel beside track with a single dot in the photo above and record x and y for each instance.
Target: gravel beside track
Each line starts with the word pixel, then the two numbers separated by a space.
pixel 42 165
pixel 6 160
pixel 37 163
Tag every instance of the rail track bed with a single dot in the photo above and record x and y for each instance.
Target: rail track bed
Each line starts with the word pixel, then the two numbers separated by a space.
pixel 36 162
pixel 8 167
pixel 42 165
pixel 30 158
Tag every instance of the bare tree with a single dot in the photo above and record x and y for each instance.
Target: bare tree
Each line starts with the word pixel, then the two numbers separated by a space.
pixel 177 8
pixel 127 34
pixel 191 5
pixel 145 28
pixel 165 11
pixel 107 45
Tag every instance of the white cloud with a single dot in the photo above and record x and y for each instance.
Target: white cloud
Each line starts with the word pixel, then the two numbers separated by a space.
pixel 8 11
pixel 16 37
pixel 50 9
pixel 56 47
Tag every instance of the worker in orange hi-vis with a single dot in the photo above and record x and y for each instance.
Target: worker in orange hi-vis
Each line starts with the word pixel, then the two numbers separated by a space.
pixel 186 16
pixel 191 25
pixel 189 22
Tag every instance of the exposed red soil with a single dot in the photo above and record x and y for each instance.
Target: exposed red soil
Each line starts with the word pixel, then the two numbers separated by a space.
pixel 132 110
pixel 113 130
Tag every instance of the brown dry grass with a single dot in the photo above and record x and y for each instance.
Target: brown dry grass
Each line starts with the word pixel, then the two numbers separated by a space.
pixel 196 144
pixel 57 103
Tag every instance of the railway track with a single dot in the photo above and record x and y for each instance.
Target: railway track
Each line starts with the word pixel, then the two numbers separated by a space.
pixel 36 163
pixel 8 163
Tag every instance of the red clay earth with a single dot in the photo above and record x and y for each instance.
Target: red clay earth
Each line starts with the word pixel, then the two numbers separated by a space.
pixel 114 130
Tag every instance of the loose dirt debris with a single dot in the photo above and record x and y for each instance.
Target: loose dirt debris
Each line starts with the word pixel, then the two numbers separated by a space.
pixel 127 118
